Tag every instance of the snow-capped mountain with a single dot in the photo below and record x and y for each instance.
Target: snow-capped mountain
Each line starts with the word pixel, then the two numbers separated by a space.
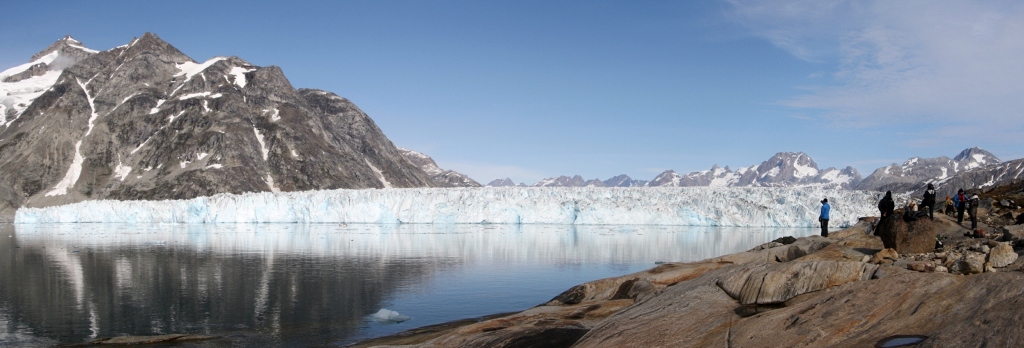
pixel 916 172
pixel 506 182
pixel 565 181
pixel 22 84
pixel 985 177
pixel 440 177
pixel 145 121
pixel 785 169
pixel 624 180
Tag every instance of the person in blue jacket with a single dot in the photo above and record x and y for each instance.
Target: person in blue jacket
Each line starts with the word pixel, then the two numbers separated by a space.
pixel 823 218
pixel 960 202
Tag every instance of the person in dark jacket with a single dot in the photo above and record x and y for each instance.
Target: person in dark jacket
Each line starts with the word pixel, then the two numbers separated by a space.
pixel 960 203
pixel 972 208
pixel 929 201
pixel 886 205
pixel 823 218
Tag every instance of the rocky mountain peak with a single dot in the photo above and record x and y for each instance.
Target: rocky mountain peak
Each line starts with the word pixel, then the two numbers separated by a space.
pixel 506 182
pixel 145 121
pixel 623 180
pixel 440 177
pixel 917 172
pixel 565 181
pixel 787 166
pixel 66 46
pixel 150 44
pixel 975 157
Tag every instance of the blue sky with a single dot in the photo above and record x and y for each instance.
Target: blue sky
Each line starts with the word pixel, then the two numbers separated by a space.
pixel 535 89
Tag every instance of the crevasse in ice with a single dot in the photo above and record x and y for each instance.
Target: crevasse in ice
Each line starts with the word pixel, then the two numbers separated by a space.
pixel 693 206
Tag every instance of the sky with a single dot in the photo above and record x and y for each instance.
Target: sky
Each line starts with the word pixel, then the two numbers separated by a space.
pixel 536 89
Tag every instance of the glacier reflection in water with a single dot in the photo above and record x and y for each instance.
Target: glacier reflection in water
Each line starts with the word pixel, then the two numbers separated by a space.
pixel 312 284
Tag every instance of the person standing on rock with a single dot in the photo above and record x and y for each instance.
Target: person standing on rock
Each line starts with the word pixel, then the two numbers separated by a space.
pixel 886 206
pixel 823 218
pixel 929 201
pixel 960 202
pixel 972 208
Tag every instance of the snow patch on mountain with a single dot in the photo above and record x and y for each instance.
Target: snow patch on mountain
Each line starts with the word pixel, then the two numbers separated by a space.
pixel 22 84
pixel 263 145
pixel 239 74
pixel 378 172
pixel 190 69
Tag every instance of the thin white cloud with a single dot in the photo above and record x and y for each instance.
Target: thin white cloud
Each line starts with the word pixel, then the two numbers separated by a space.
pixel 927 63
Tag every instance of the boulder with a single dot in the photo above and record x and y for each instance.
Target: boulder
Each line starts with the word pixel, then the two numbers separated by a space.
pixel 776 283
pixel 921 266
pixel 1013 231
pixel 768 245
pixel 970 264
pixel 1002 255
pixel 885 254
pixel 913 237
pixel 787 240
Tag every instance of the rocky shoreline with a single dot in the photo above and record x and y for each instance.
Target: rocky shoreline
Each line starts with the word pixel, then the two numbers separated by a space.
pixel 879 283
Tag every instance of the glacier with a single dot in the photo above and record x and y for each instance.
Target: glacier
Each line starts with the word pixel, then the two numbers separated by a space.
pixel 689 206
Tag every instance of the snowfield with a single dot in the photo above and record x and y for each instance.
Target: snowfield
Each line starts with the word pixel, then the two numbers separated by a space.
pixel 692 206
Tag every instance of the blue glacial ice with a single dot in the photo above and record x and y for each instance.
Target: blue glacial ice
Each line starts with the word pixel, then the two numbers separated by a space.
pixel 692 206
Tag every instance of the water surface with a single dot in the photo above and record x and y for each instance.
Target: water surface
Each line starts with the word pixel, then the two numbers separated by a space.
pixel 311 284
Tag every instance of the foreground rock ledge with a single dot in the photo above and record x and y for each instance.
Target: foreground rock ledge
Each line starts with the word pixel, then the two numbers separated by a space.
pixel 814 292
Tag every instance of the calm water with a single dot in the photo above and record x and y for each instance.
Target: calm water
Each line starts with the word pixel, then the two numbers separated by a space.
pixel 311 285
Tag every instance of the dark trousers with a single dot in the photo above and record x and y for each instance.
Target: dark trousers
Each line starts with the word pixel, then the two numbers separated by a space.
pixel 930 210
pixel 824 227
pixel 959 215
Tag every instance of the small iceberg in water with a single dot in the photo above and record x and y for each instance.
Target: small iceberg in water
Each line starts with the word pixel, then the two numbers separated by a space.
pixel 389 316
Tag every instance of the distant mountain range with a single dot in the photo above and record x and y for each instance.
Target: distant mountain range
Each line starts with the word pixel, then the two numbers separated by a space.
pixel 972 168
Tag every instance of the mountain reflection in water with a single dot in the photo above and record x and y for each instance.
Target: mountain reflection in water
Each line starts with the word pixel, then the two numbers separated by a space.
pixel 309 284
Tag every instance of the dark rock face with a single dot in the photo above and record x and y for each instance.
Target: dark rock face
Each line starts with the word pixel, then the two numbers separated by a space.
pixel 35 70
pixel 144 121
pixel 440 177
pixel 911 237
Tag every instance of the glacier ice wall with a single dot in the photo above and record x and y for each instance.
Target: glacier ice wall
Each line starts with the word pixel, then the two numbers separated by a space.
pixel 692 206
